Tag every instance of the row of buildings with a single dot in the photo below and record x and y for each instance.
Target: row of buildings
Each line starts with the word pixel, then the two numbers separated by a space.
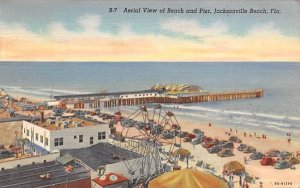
pixel 67 152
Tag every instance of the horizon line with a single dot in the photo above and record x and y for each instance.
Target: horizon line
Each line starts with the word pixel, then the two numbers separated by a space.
pixel 80 61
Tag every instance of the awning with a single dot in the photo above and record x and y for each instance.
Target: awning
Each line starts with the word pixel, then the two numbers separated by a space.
pixel 65 159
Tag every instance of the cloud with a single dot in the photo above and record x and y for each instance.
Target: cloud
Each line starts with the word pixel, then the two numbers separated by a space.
pixel 265 30
pixel 193 28
pixel 58 31
pixel 265 43
pixel 89 22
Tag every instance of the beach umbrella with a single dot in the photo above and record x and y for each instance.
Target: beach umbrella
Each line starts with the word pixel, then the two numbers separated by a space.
pixel 187 178
pixel 235 167
pixel 182 152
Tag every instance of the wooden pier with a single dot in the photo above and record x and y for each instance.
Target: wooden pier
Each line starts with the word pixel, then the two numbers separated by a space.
pixel 131 98
pixel 183 99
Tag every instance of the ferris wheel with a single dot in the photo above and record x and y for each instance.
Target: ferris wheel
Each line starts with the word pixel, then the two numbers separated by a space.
pixel 151 132
pixel 4 101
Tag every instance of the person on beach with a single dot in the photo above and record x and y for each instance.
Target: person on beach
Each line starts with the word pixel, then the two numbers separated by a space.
pixel 209 124
pixel 247 185
pixel 230 129
pixel 240 181
pixel 244 184
pixel 235 130
pixel 223 174
pixel 245 160
pixel 245 134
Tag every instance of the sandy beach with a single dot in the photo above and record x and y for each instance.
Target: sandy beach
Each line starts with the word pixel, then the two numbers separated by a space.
pixel 268 175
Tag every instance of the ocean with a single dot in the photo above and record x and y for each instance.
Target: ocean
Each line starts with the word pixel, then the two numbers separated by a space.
pixel 277 112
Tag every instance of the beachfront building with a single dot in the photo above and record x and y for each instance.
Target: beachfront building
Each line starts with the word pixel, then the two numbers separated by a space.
pixel 64 133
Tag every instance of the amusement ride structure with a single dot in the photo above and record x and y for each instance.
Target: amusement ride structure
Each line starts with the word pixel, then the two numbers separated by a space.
pixel 153 132
pixel 5 101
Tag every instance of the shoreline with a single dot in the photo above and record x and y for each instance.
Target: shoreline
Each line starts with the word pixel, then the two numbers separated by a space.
pixel 223 125
pixel 218 131
pixel 268 175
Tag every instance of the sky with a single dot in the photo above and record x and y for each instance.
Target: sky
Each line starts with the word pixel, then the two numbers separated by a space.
pixel 78 30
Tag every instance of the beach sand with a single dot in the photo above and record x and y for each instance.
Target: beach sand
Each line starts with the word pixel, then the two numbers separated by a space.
pixel 268 175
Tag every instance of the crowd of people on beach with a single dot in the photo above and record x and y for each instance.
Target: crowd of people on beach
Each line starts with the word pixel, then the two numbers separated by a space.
pixel 263 136
pixel 245 134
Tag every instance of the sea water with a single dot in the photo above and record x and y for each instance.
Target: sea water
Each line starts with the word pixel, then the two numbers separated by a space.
pixel 277 112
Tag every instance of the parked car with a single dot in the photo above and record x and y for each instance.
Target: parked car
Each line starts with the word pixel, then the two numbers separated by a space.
pixel 267 161
pixel 284 154
pixel 223 141
pixel 229 145
pixel 235 139
pixel 191 136
pixel 207 139
pixel 273 153
pixel 210 143
pixel 281 164
pixel 293 161
pixel 183 134
pixel 242 147
pixel 187 139
pixel 215 149
pixel 198 132
pixel 207 145
pixel 196 140
pixel 6 154
pixel 256 156
pixel 249 149
pixel 225 153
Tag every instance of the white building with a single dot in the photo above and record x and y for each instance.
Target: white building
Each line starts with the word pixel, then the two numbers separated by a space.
pixel 68 133
pixel 140 94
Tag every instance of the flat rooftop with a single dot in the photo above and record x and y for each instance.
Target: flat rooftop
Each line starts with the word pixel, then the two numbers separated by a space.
pixel 100 154
pixel 84 122
pixel 29 176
